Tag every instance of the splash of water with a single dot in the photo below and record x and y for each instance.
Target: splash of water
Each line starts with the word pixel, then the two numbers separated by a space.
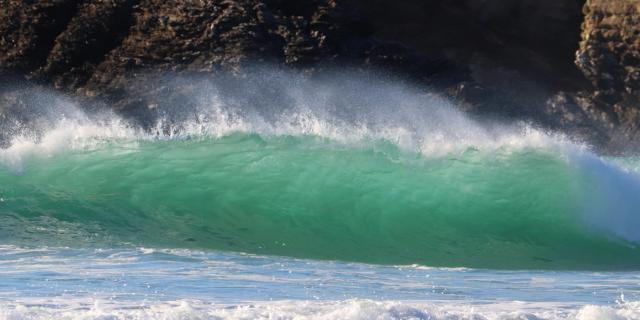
pixel 352 169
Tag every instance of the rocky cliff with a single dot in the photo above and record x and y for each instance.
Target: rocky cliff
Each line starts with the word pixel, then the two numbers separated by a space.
pixel 514 59
pixel 537 38
pixel 105 49
pixel 609 57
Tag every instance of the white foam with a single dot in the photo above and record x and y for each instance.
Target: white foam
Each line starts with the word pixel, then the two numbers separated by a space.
pixel 347 109
pixel 67 134
pixel 324 310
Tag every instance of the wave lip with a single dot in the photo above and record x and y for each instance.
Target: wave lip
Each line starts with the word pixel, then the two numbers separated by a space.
pixel 348 108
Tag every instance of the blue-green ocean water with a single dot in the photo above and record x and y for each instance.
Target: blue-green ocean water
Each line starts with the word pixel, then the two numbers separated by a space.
pixel 311 198
pixel 330 204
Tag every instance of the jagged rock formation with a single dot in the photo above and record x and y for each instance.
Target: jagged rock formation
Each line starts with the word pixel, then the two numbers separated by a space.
pixel 609 57
pixel 91 43
pixel 105 48
pixel 609 53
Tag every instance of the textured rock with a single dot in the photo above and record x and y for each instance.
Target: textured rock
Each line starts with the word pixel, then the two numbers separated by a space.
pixel 609 54
pixel 608 113
pixel 100 47
pixel 28 31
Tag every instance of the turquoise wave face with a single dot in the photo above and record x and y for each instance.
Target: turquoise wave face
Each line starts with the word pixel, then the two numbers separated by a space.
pixel 310 197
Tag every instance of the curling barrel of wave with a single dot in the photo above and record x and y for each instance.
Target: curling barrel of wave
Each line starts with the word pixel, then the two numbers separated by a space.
pixel 422 184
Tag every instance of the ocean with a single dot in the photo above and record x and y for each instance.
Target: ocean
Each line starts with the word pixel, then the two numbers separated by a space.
pixel 343 199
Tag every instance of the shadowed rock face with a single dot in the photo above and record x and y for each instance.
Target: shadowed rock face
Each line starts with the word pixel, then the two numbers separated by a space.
pixel 106 49
pixel 94 45
pixel 91 43
pixel 609 54
pixel 609 57
pixel 500 57
pixel 535 38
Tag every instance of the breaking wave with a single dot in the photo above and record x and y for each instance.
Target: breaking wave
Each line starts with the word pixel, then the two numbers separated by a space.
pixel 351 169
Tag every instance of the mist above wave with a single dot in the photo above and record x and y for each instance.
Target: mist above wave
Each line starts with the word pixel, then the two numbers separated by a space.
pixel 348 107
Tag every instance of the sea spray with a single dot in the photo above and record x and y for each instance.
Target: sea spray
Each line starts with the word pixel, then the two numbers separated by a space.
pixel 352 169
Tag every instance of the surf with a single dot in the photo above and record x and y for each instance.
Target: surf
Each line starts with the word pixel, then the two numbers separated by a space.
pixel 352 169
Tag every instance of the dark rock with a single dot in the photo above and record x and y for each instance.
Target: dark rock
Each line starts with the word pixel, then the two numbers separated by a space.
pixel 609 54
pixel 607 113
pixel 535 38
pixel 98 47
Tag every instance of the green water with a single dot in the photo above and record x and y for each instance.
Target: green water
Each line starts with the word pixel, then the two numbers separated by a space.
pixel 313 198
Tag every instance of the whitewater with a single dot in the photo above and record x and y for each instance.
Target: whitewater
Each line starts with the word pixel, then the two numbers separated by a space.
pixel 282 196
